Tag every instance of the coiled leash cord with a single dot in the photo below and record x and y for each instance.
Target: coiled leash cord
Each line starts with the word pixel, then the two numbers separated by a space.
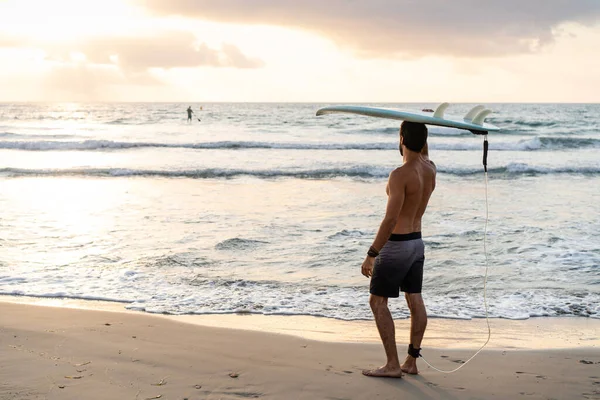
pixel 416 352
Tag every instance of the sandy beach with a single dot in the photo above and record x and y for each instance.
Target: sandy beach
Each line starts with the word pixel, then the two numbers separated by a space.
pixel 69 353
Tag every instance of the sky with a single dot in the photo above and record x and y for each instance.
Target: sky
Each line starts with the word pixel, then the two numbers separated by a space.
pixel 300 51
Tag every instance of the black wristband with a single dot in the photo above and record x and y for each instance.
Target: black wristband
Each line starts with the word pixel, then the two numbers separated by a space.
pixel 372 252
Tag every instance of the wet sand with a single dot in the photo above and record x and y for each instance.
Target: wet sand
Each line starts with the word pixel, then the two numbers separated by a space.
pixel 73 353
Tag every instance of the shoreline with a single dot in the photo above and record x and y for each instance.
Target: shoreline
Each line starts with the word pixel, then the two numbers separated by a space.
pixel 530 334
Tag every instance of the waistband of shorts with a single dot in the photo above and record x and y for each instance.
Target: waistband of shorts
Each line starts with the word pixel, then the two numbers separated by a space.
pixel 403 237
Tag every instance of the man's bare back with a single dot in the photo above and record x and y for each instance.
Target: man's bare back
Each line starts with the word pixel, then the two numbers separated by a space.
pixel 418 180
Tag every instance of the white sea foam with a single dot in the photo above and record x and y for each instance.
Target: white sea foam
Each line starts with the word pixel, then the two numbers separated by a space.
pixel 210 296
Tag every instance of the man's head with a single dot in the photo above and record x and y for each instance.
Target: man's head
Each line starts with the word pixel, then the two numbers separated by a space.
pixel 413 136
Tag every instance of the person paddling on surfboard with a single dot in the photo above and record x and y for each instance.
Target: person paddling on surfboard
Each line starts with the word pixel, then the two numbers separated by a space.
pixel 190 112
pixel 395 260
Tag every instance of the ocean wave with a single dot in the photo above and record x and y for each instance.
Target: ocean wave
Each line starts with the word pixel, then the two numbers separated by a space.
pixel 557 143
pixel 344 233
pixel 537 143
pixel 512 169
pixel 210 173
pixel 112 145
pixel 532 124
pixel 27 136
pixel 132 121
pixel 239 244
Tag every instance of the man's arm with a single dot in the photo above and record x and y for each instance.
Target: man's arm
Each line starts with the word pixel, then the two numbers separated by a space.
pixel 425 154
pixel 393 208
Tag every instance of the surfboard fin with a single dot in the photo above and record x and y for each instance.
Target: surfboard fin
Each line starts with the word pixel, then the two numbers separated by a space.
pixel 440 110
pixel 478 120
pixel 471 114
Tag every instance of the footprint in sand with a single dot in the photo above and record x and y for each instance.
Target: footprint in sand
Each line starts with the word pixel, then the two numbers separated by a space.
pixel 242 394
pixel 249 395
pixel 592 396
pixel 531 373
pixel 339 372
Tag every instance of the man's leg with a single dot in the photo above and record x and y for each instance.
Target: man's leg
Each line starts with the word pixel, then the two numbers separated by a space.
pixel 387 332
pixel 418 323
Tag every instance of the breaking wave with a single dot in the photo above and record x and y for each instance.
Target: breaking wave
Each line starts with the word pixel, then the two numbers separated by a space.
pixel 513 169
pixel 537 143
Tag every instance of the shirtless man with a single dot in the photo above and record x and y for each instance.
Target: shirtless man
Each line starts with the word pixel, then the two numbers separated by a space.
pixel 395 260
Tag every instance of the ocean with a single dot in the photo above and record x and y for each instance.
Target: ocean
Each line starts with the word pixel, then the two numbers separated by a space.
pixel 268 209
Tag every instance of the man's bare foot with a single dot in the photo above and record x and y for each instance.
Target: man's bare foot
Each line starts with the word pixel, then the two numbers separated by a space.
pixel 410 366
pixel 383 372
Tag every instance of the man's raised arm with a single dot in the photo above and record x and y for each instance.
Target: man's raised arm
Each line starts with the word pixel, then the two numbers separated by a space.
pixel 425 151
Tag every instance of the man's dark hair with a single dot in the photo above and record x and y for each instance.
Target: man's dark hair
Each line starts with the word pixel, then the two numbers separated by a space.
pixel 414 134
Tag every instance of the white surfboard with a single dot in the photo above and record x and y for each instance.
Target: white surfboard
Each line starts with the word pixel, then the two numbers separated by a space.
pixel 473 121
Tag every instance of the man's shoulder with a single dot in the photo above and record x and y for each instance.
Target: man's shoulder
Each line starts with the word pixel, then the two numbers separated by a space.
pixel 406 171
pixel 399 173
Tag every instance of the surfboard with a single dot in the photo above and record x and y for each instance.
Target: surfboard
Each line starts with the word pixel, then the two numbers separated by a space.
pixel 473 121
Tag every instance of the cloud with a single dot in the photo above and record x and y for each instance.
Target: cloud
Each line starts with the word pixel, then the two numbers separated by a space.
pixel 96 68
pixel 7 41
pixel 80 82
pixel 409 28
pixel 172 49
pixel 169 50
pixel 235 58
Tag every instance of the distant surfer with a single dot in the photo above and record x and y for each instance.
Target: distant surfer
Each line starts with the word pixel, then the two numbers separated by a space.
pixel 190 112
pixel 395 260
pixel 427 110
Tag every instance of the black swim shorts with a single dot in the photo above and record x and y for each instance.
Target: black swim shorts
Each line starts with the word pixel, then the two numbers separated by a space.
pixel 399 266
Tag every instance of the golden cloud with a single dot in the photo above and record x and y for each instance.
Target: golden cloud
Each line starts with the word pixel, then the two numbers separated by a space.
pixel 410 28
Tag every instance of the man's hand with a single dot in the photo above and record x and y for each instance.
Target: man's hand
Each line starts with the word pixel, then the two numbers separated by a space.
pixel 367 266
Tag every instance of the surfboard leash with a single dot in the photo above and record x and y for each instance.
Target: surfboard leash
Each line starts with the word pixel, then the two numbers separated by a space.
pixel 485 253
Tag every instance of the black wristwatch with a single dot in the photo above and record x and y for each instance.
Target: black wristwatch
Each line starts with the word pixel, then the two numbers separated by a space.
pixel 372 252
